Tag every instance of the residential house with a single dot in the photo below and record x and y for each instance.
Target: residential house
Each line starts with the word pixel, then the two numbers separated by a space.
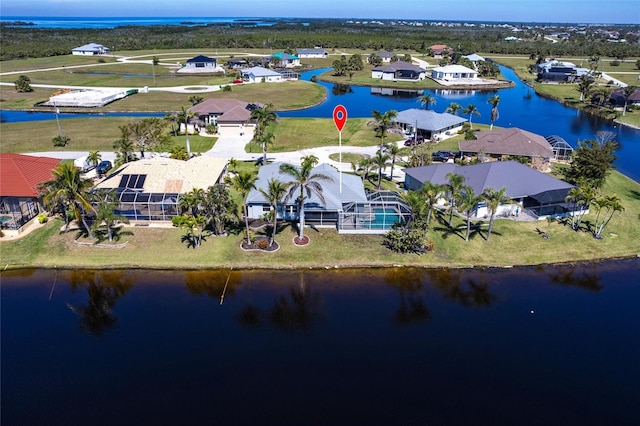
pixel 398 71
pixel 440 50
pixel 260 75
pixel 385 56
pixel 503 144
pixel 20 178
pixel 618 97
pixel 284 60
pixel 231 116
pixel 90 50
pixel 429 124
pixel 346 206
pixel 541 195
pixel 201 64
pixel 312 53
pixel 237 63
pixel 559 71
pixel 149 190
pixel 475 59
pixel 455 73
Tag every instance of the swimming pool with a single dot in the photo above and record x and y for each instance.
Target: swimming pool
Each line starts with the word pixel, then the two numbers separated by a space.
pixel 383 219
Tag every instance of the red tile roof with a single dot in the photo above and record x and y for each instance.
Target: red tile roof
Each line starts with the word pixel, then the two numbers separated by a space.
pixel 20 175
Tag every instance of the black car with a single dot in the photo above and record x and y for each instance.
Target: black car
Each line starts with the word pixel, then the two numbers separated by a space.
pixel 104 167
pixel 443 156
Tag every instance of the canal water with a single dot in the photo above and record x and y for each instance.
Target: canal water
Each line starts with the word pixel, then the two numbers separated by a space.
pixel 525 346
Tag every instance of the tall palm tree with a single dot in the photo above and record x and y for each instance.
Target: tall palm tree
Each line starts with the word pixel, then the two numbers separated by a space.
pixel 494 198
pixel 276 190
pixel 394 152
pixel 365 166
pixel 454 108
pixel 415 202
pixel 427 99
pixel 606 207
pixel 185 116
pixel 383 123
pixel 431 192
pixel 628 91
pixel 94 158
pixel 263 117
pixel 455 185
pixel 494 101
pixel 105 212
pixel 263 140
pixel 307 182
pixel 581 197
pixel 471 110
pixel 585 85
pixel 69 185
pixel 381 160
pixel 467 201
pixel 244 182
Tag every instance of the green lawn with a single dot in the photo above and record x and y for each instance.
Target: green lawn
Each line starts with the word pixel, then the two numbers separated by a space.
pixel 512 243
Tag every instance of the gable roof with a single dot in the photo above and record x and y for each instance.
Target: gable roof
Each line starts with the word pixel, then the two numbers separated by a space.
pixel 510 141
pixel 284 56
pixel 20 175
pixel 385 55
pixel 260 72
pixel 200 59
pixel 439 47
pixel 352 187
pixel 474 57
pixel 519 180
pixel 428 120
pixel 311 51
pixel 399 66
pixel 166 175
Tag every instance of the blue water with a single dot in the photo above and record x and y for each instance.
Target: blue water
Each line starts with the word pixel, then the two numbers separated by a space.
pixel 519 107
pixel 112 22
pixel 399 346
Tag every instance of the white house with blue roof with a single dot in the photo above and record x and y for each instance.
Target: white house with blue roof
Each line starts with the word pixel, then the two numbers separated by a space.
pixel 90 50
pixel 260 75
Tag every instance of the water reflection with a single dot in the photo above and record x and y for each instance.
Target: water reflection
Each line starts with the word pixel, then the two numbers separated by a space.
pixel 409 283
pixel 470 290
pixel 396 93
pixel 585 277
pixel 340 89
pixel 454 94
pixel 103 288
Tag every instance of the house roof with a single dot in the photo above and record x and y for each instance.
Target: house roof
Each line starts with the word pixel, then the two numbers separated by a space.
pixel 455 69
pixel 166 175
pixel 399 66
pixel 260 72
pixel 474 57
pixel 352 187
pixel 634 97
pixel 311 51
pixel 284 56
pixel 91 47
pixel 439 47
pixel 519 180
pixel 226 109
pixel 200 59
pixel 20 175
pixel 428 120
pixel 385 55
pixel 510 141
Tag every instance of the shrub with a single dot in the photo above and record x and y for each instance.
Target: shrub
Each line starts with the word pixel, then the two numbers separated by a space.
pixel 263 244
pixel 42 218
pixel 211 129
pixel 226 88
pixel 61 140
pixel 413 241
pixel 615 63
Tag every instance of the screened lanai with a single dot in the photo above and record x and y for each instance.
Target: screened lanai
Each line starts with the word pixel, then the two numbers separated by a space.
pixel 562 151
pixel 136 205
pixel 377 215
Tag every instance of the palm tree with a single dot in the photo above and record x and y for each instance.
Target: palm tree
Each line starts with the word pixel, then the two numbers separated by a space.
pixel 427 99
pixel 494 101
pixel 244 182
pixel 584 86
pixel 454 108
pixel 105 212
pixel 580 197
pixel 606 206
pixel 455 185
pixel 263 140
pixel 307 182
pixel 415 202
pixel 381 160
pixel 471 110
pixel 263 117
pixel 217 207
pixel 69 185
pixel 184 116
pixel 276 190
pixel 394 151
pixel 494 198
pixel 383 123
pixel 628 91
pixel 466 202
pixel 365 166
pixel 94 158
pixel 431 192
pixel 124 146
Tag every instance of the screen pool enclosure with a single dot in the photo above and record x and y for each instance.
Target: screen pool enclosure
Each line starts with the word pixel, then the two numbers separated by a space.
pixel 377 215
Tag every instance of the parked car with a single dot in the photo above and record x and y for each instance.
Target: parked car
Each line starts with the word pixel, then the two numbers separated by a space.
pixel 237 81
pixel 443 156
pixel 104 167
pixel 415 140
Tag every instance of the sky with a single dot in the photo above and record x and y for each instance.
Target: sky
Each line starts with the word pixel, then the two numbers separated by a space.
pixel 560 11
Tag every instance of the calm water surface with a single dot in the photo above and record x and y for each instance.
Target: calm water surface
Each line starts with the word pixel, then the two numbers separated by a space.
pixel 546 345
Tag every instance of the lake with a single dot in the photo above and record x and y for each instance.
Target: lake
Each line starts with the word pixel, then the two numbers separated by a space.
pixel 523 346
